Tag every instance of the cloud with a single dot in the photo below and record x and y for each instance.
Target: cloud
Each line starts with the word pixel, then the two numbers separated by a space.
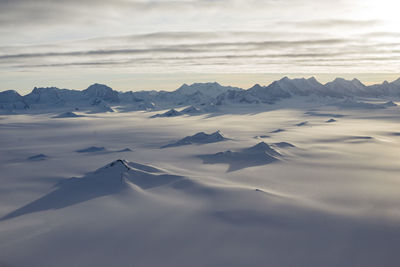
pixel 39 12
pixel 333 23
pixel 202 47
pixel 183 35
pixel 185 50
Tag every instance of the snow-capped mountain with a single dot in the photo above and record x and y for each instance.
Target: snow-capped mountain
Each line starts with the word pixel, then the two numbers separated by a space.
pixel 237 97
pixel 269 93
pixel 102 92
pixel 203 96
pixel 45 96
pixel 11 100
pixel 141 100
pixel 301 87
pixel 385 89
pixel 207 89
pixel 341 87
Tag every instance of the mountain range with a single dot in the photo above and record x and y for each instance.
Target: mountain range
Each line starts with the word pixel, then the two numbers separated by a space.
pixel 101 98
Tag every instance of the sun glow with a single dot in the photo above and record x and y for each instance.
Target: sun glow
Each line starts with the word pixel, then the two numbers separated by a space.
pixel 385 12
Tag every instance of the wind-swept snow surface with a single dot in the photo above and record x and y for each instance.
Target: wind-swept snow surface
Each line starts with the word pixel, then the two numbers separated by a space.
pixel 91 149
pixel 323 194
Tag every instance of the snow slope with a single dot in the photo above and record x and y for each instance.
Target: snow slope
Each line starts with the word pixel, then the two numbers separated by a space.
pixel 259 154
pixel 113 178
pixel 338 188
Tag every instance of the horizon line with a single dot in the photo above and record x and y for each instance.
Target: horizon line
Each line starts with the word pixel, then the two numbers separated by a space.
pixel 291 76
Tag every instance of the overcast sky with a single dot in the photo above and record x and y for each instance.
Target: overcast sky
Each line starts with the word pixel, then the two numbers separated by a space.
pixel 158 44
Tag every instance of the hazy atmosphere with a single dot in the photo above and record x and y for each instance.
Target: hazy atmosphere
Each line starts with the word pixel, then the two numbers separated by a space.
pixel 199 133
pixel 136 45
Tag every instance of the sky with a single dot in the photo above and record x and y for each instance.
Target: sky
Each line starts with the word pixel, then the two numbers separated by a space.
pixel 160 44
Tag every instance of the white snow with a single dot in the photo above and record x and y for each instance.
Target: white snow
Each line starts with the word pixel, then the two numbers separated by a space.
pixel 326 195
pixel 91 149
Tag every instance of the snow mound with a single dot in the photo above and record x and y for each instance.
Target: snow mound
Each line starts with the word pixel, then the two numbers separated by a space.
pixel 38 157
pixel 260 154
pixel 199 138
pixel 302 123
pixel 261 147
pixel 169 113
pixel 191 110
pixel 124 150
pixel 91 149
pixel 95 149
pixel 115 177
pixel 317 114
pixel 68 114
pixel 140 175
pixel 278 131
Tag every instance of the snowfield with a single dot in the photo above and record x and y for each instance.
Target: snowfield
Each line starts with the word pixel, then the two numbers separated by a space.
pixel 302 181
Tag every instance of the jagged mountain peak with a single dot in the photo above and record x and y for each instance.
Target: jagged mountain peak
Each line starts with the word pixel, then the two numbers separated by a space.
pixel 101 91
pixel 396 82
pixel 211 89
pixel 256 86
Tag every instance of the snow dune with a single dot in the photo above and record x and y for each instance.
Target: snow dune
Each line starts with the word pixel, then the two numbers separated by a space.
pixel 167 114
pixel 96 149
pixel 111 179
pixel 198 139
pixel 38 157
pixel 68 114
pixel 260 154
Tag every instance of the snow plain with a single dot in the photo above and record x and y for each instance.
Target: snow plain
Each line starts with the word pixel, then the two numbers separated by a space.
pixel 332 199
